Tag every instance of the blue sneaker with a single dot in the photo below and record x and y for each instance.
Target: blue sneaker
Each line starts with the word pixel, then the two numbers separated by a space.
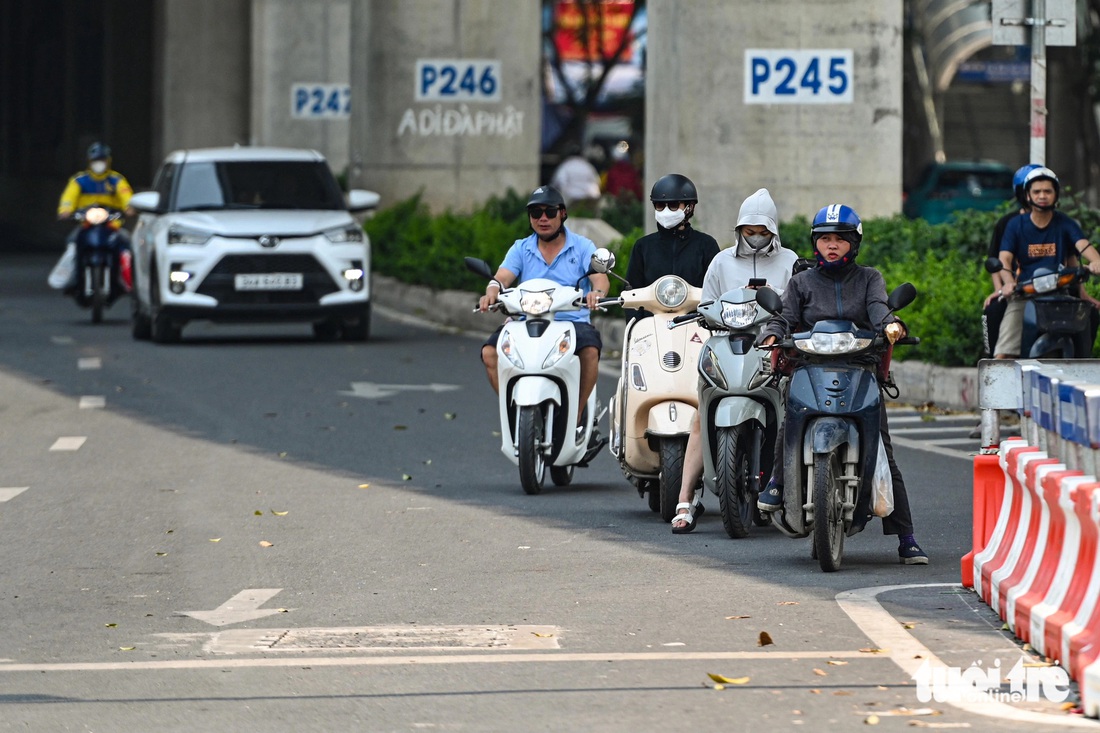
pixel 910 553
pixel 771 498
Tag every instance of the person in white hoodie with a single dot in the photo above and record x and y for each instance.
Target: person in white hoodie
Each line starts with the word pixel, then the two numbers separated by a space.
pixel 758 254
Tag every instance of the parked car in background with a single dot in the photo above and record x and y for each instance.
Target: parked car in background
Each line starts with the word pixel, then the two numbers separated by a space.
pixel 945 188
pixel 250 234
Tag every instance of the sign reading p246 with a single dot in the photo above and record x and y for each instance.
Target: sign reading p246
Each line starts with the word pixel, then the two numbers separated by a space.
pixel 457 80
pixel 776 76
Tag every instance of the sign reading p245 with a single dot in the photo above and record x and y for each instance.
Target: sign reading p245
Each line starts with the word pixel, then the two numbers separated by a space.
pixel 457 80
pixel 775 76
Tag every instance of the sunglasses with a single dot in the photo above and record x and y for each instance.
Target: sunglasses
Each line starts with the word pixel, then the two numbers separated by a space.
pixel 537 212
pixel 660 205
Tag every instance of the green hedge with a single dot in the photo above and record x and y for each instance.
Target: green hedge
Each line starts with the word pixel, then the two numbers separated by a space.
pixel 943 261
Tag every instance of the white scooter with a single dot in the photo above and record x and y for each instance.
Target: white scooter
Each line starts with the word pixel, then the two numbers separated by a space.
pixel 539 376
pixel 656 398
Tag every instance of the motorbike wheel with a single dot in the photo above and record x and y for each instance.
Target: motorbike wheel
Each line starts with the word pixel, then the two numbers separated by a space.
pixel 732 475
pixel 828 512
pixel 561 475
pixel 532 468
pixel 98 295
pixel 672 475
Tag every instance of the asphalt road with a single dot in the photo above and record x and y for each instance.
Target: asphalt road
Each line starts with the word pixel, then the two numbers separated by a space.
pixel 253 531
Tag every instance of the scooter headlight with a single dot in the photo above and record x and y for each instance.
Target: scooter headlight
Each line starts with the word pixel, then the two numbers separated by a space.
pixel 738 315
pixel 708 367
pixel 96 215
pixel 535 302
pixel 509 350
pixel 565 346
pixel 832 343
pixel 671 292
pixel 1045 283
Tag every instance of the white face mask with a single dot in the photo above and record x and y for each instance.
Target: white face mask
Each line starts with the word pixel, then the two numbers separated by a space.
pixel 669 218
pixel 758 241
pixel 98 166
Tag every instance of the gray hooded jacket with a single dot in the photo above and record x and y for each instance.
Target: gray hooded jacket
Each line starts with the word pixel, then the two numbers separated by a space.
pixel 734 266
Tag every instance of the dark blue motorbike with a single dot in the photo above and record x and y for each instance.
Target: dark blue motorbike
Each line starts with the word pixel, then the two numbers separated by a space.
pixel 831 429
pixel 101 251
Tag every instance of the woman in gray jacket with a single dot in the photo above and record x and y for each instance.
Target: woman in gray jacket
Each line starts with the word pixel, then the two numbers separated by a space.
pixel 840 289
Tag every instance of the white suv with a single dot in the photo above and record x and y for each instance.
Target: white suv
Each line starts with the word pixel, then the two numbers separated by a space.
pixel 250 234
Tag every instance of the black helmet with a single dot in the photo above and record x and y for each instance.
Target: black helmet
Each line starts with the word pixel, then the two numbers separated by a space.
pixel 99 151
pixel 546 196
pixel 674 187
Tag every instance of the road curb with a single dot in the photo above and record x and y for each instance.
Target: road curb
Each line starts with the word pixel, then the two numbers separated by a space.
pixel 949 388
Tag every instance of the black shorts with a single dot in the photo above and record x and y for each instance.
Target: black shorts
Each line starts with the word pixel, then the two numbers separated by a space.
pixel 587 335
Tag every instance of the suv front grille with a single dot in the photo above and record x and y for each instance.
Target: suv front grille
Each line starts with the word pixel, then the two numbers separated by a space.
pixel 316 281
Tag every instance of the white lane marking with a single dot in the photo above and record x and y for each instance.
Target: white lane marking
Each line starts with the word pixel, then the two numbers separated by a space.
pixel 10 493
pixel 72 443
pixel 373 390
pixel 931 447
pixel 942 429
pixel 245 606
pixel 90 362
pixel 888 633
pixel 387 660
pixel 62 340
pixel 913 419
pixel 91 402
pixel 383 638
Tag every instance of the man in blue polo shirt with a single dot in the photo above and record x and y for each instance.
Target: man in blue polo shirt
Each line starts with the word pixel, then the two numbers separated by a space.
pixel 555 253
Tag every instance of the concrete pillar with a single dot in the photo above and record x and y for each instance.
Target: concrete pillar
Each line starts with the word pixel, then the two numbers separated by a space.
pixel 807 155
pixel 203 66
pixel 301 45
pixel 457 144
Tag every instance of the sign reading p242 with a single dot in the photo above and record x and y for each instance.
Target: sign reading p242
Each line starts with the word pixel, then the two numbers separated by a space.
pixel 776 76
pixel 457 80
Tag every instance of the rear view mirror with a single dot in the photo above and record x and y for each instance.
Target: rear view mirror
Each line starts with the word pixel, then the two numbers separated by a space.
pixel 993 264
pixel 603 260
pixel 769 300
pixel 901 296
pixel 479 267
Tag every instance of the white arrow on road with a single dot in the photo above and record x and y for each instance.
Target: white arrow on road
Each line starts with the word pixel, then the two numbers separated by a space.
pixel 245 606
pixel 372 390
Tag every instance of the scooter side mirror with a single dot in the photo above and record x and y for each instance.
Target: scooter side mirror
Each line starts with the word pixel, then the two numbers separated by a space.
pixel 769 300
pixel 901 296
pixel 993 264
pixel 479 267
pixel 603 260
pixel 803 263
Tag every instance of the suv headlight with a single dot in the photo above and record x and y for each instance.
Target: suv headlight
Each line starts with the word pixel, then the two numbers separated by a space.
pixel 671 291
pixel 344 235
pixel 738 315
pixel 182 235
pixel 832 343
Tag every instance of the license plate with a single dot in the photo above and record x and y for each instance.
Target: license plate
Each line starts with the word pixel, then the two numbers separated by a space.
pixel 269 281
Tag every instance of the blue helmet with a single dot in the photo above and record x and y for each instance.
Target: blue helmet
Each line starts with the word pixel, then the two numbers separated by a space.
pixel 99 151
pixel 1018 182
pixel 842 220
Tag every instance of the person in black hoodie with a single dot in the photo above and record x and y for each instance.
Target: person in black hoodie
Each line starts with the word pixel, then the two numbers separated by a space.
pixel 676 248
pixel 838 288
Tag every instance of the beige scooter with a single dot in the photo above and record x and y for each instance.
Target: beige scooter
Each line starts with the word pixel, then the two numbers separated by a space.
pixel 657 398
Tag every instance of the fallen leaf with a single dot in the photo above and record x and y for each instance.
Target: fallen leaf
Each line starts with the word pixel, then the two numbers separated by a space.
pixel 279 514
pixel 265 543
pixel 787 603
pixel 871 719
pixel 728 680
pixel 400 427
pixel 731 618
pixel 110 626
pixel 428 462
pixel 872 650
pixel 126 648
pixel 842 693
pixel 364 486
pixel 161 554
pixel 542 636
pixel 282 454
pixel 216 539
pixel 820 672
pixel 815 692
pixel 283 610
pixel 719 687
pixel 1068 706
pixel 258 513
pixel 169 531
pixel 765 639
pixel 406 477
pixel 836 662
pixel 908 626
pixel 448 416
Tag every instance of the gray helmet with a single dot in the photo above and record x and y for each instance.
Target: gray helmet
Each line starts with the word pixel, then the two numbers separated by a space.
pixel 674 187
pixel 99 151
pixel 546 196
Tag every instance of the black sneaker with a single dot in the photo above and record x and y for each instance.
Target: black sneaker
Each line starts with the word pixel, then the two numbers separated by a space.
pixel 912 554
pixel 771 498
